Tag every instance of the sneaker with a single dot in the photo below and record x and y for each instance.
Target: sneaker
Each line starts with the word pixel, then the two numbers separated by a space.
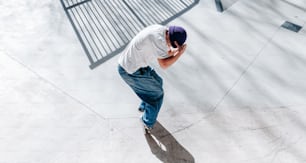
pixel 145 128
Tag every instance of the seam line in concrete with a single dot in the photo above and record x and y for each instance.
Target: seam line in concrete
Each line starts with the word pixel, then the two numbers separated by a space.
pixel 55 86
pixel 246 69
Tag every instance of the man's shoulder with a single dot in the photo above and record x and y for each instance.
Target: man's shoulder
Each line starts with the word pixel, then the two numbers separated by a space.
pixel 156 27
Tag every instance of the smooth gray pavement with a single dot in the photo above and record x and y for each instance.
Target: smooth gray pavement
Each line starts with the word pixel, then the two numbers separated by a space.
pixel 236 96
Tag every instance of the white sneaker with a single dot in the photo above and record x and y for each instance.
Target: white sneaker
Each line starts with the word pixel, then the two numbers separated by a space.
pixel 145 128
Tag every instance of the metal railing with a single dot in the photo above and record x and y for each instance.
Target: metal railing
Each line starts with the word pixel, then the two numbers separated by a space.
pixel 105 27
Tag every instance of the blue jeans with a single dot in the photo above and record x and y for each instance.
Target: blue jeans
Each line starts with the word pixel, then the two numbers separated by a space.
pixel 149 88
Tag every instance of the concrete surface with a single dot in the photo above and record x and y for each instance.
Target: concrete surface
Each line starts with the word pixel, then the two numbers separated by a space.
pixel 236 96
pixel 222 5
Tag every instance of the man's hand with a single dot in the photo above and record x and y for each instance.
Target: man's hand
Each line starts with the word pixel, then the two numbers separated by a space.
pixel 178 50
pixel 173 56
pixel 181 49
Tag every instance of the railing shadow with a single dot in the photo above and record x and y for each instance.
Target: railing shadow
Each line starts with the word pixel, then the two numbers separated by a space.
pixel 105 27
pixel 164 146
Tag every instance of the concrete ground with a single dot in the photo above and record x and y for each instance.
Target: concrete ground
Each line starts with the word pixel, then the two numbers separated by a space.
pixel 236 96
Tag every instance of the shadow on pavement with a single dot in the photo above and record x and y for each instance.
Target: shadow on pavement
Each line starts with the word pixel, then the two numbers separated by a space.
pixel 164 146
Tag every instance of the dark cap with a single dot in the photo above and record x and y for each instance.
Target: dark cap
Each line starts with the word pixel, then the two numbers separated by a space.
pixel 178 34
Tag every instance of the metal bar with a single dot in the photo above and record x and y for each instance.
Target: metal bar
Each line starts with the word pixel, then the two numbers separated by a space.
pixel 96 28
pixel 180 12
pixel 137 26
pixel 77 4
pixel 160 10
pixel 219 5
pixel 102 25
pixel 115 32
pixel 78 35
pixel 89 29
pixel 138 18
pixel 116 25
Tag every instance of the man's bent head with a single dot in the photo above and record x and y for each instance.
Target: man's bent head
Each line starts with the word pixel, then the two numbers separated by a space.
pixel 177 34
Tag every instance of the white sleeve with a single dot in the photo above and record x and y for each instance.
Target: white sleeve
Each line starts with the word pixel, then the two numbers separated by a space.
pixel 161 49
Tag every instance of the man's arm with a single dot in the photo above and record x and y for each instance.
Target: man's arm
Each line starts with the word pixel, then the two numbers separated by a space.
pixel 174 56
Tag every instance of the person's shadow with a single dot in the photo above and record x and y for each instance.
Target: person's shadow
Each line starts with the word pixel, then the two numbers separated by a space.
pixel 164 146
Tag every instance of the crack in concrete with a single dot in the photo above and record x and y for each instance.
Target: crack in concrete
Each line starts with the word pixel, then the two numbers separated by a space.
pixel 283 147
pixel 246 69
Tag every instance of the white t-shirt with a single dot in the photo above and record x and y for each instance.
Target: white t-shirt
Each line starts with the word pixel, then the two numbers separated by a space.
pixel 145 47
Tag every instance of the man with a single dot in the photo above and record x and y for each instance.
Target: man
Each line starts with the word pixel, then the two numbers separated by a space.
pixel 155 42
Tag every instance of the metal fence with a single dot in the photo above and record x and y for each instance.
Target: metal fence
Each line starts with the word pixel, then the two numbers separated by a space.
pixel 105 27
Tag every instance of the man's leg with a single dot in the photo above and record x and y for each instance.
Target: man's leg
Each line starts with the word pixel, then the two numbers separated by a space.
pixel 151 93
pixel 152 108
pixel 153 99
pixel 148 86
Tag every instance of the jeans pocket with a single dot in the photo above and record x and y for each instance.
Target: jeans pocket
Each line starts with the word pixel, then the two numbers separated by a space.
pixel 157 78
